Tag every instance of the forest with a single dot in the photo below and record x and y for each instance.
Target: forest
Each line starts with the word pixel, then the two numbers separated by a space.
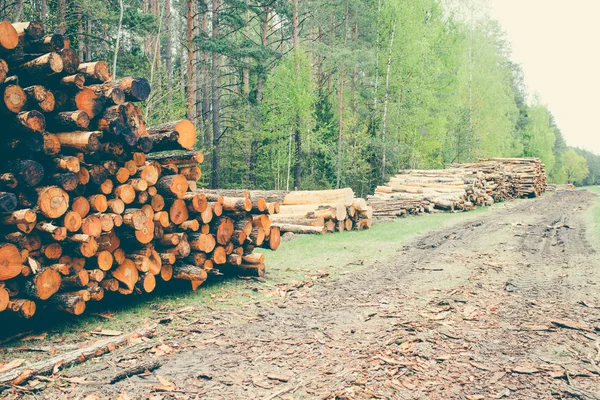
pixel 312 94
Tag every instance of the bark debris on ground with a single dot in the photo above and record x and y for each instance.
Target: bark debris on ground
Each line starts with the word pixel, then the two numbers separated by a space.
pixel 505 305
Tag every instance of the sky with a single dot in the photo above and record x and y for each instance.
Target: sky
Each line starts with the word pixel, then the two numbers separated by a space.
pixel 558 44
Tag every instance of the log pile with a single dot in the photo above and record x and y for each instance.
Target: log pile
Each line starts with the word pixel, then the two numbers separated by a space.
pixel 510 178
pixel 560 188
pixel 425 191
pixel 460 188
pixel 91 200
pixel 317 211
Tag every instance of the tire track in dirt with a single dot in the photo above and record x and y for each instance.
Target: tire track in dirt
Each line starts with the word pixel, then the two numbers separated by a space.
pixel 460 313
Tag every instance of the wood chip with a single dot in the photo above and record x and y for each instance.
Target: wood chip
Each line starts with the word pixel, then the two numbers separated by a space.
pixel 525 369
pixel 563 323
pixel 11 365
pixel 106 332
pixel 278 377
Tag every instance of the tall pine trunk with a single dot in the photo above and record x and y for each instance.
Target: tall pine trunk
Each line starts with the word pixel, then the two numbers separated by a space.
pixel 341 109
pixel 18 10
pixel 206 81
pixel 260 84
pixel 88 42
pixel 80 40
pixel 298 132
pixel 116 53
pixel 168 61
pixel 43 13
pixel 385 100
pixel 191 82
pixel 216 121
pixel 61 11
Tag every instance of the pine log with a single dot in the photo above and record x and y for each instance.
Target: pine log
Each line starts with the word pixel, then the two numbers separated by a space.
pixel 274 238
pixel 69 303
pixel 28 31
pixel 172 185
pixel 39 98
pixel 80 140
pixel 27 172
pixel 3 70
pixel 127 274
pixel 44 66
pixel 177 158
pixel 69 121
pixel 13 97
pixel 46 44
pixel 174 135
pixel 10 261
pixel 192 273
pixel 135 89
pixel 44 284
pixel 23 307
pixel 53 202
pixel 9 36
pixel 95 72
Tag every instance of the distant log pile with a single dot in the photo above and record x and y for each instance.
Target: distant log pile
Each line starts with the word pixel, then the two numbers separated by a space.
pixel 85 207
pixel 315 211
pixel 560 188
pixel 460 188
pixel 511 178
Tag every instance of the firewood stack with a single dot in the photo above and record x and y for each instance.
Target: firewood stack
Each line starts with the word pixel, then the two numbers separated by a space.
pixel 85 207
pixel 425 191
pixel 512 178
pixel 460 188
pixel 318 211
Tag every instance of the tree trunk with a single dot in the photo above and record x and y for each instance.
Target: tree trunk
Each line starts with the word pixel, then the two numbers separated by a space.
pixel 260 84
pixel 246 70
pixel 191 82
pixel 297 130
pixel 168 63
pixel 116 53
pixel 341 112
pixel 216 122
pixel 385 100
pixel 61 11
pixel 18 11
pixel 88 42
pixel 43 12
pixel 205 81
pixel 80 41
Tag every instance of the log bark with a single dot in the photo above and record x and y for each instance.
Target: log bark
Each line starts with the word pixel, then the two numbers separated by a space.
pixel 95 72
pixel 174 135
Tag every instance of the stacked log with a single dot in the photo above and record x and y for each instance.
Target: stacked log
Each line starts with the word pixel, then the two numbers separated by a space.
pixel 316 211
pixel 92 201
pixel 510 178
pixel 460 188
pixel 425 191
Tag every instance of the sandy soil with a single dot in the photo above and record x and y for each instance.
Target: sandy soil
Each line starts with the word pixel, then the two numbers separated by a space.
pixel 503 306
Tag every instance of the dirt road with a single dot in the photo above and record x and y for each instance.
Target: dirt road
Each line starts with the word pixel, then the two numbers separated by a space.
pixel 503 306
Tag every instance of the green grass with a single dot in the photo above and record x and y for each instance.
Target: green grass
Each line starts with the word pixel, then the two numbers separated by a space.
pixel 298 260
pixel 340 252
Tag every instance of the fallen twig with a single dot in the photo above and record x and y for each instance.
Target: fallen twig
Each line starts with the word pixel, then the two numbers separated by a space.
pixel 46 367
pixel 140 368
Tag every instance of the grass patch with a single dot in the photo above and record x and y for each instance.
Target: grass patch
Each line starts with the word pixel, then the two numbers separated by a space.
pixel 295 261
pixel 340 252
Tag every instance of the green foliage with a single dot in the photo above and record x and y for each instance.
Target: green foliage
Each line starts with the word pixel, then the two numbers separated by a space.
pixel 575 168
pixel 539 136
pixel 451 92
pixel 290 97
